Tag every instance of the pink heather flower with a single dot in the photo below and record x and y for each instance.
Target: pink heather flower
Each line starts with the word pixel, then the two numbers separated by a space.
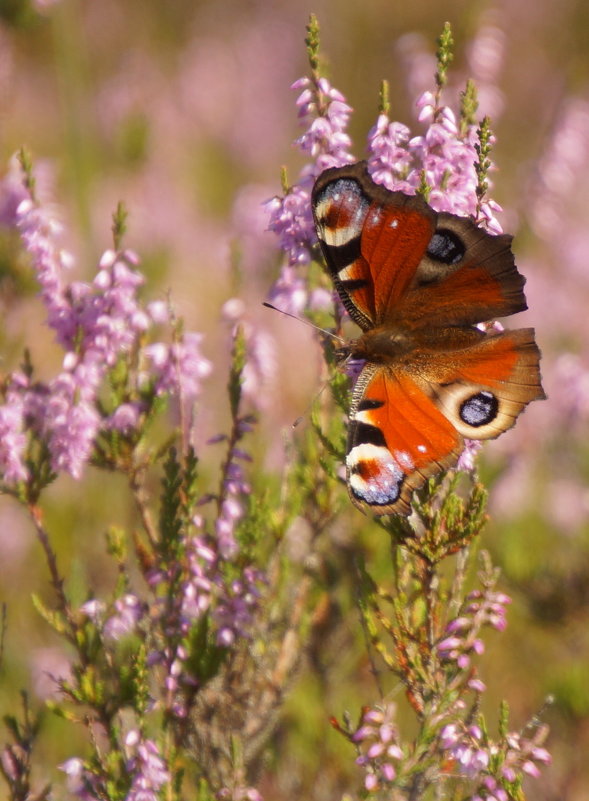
pixel 377 738
pixel 158 311
pixel 466 748
pixel 124 418
pixel 13 440
pixel 234 615
pixel 398 161
pixel 147 768
pixel 12 193
pixel 96 323
pixel 291 220
pixel 129 611
pixel 462 640
pixel 198 587
pixel 467 459
pixel 325 114
pixel 180 367
pixel 290 292
pixel 107 319
pixel 38 232
pixel 80 782
pixel 391 160
pixel 472 753
pixel 94 610
pixel 71 423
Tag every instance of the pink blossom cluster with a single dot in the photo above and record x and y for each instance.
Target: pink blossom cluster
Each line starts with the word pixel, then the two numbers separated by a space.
pixel 444 157
pixel 378 739
pixel 81 782
pixel 324 113
pixel 235 486
pixel 202 588
pixel 145 767
pixel 461 638
pixel 473 755
pixel 96 324
pixel 183 593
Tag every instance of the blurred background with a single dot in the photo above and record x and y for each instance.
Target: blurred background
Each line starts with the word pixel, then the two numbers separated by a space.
pixel 183 110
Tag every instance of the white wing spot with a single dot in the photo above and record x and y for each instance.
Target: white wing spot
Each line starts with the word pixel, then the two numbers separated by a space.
pixel 403 459
pixel 394 223
pixel 422 448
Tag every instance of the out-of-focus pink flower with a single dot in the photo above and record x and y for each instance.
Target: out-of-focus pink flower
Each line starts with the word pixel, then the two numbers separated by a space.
pixel 445 157
pixel 146 767
pixel 482 608
pixel 129 611
pixel 377 738
pixel 180 367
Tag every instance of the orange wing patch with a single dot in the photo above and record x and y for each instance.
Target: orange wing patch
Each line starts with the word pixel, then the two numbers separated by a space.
pixel 394 240
pixel 397 438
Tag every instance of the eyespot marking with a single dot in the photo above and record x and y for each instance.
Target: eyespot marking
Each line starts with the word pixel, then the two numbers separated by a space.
pixel 446 246
pixel 479 409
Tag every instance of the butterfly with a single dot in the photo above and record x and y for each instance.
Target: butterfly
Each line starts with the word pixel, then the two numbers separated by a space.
pixel 417 282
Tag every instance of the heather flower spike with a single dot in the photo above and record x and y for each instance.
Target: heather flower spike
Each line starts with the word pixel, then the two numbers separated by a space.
pixel 324 113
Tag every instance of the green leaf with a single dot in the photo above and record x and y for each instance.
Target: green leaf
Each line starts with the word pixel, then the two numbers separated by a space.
pixel 55 619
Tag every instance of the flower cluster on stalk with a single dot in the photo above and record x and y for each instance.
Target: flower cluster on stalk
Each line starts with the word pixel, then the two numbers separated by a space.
pixel 493 768
pixel 324 113
pixel 461 639
pixel 377 739
pixel 97 324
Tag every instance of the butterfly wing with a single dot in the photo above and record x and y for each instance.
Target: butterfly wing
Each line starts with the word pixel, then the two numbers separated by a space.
pixel 408 424
pixel 397 438
pixel 482 389
pixel 392 256
pixel 373 240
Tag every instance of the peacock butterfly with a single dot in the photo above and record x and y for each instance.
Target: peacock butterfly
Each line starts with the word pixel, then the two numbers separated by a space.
pixel 417 282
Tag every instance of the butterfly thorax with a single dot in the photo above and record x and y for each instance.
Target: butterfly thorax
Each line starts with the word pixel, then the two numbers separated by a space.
pixel 383 344
pixel 386 344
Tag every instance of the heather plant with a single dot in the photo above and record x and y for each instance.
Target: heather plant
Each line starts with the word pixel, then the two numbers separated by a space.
pixel 178 676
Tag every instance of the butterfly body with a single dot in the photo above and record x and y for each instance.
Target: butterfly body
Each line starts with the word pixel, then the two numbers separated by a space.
pixel 417 283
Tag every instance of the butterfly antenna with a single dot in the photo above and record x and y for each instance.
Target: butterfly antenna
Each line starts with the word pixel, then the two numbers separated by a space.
pixel 307 322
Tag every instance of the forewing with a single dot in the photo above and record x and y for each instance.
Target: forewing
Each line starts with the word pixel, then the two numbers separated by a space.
pixel 373 240
pixel 466 276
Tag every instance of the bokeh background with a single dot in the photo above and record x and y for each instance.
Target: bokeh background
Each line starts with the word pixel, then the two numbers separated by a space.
pixel 182 109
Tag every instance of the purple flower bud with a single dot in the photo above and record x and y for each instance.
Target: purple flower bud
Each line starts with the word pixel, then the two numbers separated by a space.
pixel 388 771
pixel 531 768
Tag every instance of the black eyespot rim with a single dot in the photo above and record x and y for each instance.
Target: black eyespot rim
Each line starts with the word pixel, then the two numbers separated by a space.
pixel 445 246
